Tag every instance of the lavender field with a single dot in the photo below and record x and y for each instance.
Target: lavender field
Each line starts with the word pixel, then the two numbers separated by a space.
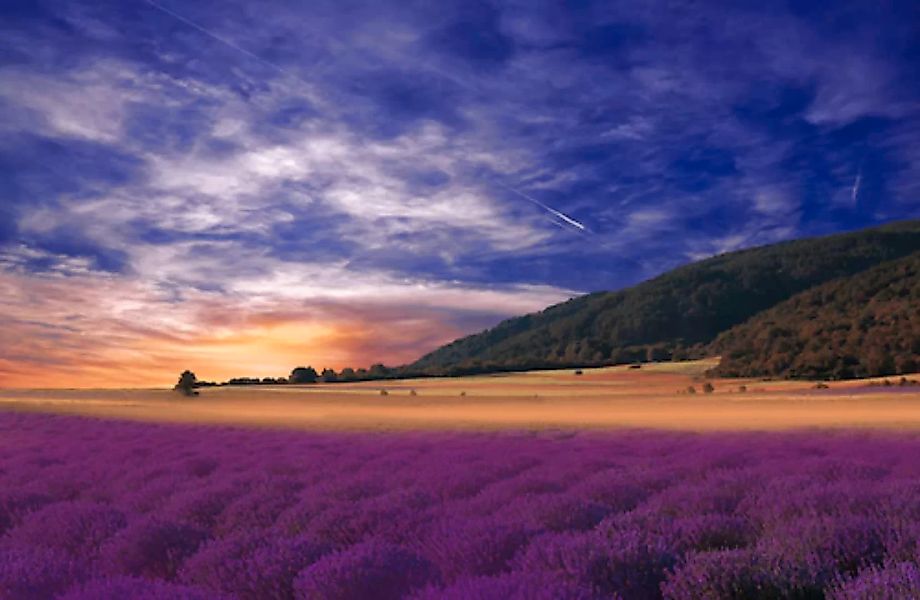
pixel 114 510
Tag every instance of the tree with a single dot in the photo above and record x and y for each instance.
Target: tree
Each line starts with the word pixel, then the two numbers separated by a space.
pixel 186 384
pixel 304 375
pixel 329 376
pixel 379 371
pixel 347 374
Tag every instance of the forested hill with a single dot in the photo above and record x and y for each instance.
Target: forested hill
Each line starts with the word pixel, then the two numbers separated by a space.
pixel 859 326
pixel 675 315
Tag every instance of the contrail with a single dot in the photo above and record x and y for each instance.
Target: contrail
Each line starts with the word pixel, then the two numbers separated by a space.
pixel 557 214
pixel 854 194
pixel 549 209
pixel 214 36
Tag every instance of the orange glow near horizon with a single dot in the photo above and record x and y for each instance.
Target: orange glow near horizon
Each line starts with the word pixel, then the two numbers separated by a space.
pixel 106 333
pixel 96 330
pixel 261 350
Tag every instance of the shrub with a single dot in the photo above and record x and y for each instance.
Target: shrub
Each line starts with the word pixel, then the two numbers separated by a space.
pixel 900 580
pixel 472 546
pixel 632 563
pixel 28 572
pixel 14 505
pixel 510 586
pixel 134 588
pixel 726 574
pixel 368 570
pixel 252 564
pixel 76 527
pixel 150 547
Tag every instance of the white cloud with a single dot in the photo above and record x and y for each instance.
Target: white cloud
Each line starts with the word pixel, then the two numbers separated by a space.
pixel 87 104
pixel 775 202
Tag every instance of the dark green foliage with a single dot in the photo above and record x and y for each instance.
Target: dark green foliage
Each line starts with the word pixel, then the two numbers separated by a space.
pixel 253 381
pixel 304 375
pixel 862 326
pixel 379 371
pixel 186 384
pixel 676 315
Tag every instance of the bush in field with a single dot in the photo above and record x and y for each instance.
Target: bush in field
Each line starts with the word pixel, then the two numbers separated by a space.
pixel 368 570
pixel 252 565
pixel 727 574
pixel 472 546
pixel 631 563
pixel 32 572
pixel 77 528
pixel 151 548
pixel 14 505
pixel 901 580
pixel 135 588
pixel 510 586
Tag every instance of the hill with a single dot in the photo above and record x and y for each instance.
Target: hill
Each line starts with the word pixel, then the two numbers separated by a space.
pixel 675 315
pixel 866 325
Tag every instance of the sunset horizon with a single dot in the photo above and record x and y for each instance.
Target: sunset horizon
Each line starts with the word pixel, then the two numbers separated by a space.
pixel 240 191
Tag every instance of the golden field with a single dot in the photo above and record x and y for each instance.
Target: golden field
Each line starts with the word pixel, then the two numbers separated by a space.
pixel 612 397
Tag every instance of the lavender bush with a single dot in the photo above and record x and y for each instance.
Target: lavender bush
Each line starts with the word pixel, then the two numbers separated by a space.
pixel 93 509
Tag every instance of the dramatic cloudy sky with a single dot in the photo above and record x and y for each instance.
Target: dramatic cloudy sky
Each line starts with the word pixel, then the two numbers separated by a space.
pixel 242 187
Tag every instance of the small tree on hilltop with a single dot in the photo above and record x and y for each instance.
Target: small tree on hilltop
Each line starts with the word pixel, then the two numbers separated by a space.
pixel 186 384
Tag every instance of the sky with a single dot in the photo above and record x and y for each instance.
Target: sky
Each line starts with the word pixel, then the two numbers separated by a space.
pixel 240 188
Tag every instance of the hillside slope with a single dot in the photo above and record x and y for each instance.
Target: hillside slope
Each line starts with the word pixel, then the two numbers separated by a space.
pixel 676 314
pixel 861 326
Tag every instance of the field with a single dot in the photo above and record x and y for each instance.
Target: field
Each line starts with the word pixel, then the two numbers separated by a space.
pixel 614 397
pixel 545 485
pixel 98 509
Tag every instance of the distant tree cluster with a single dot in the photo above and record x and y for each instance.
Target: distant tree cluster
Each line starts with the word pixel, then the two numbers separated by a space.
pixel 375 372
pixel 862 326
pixel 304 375
pixel 256 381
pixel 309 375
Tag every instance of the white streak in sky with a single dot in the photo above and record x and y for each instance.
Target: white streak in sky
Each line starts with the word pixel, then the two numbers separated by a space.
pixel 854 194
pixel 562 216
pixel 214 36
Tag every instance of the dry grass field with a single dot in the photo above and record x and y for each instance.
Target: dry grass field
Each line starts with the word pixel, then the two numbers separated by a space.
pixel 613 397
